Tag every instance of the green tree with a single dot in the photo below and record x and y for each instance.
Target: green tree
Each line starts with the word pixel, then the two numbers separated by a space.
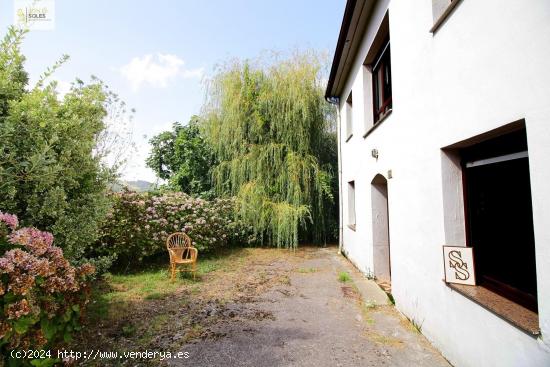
pixel 50 175
pixel 273 135
pixel 182 157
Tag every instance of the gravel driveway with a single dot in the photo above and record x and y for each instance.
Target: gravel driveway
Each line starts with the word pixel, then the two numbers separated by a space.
pixel 308 317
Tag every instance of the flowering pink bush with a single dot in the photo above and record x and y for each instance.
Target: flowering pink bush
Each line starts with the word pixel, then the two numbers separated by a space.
pixel 139 224
pixel 41 294
pixel 10 220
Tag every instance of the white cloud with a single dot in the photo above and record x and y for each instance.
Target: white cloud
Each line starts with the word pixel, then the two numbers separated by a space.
pixel 136 168
pixel 157 70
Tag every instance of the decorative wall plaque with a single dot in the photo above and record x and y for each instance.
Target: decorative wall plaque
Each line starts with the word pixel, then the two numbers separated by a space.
pixel 459 265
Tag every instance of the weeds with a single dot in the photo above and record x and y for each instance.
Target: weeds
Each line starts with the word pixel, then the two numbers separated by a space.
pixel 344 277
pixel 416 325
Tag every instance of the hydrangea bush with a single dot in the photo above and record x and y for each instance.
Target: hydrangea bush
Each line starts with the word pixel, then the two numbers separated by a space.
pixel 41 294
pixel 139 224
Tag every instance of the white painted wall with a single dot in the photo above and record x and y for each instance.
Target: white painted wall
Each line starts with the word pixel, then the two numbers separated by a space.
pixel 488 65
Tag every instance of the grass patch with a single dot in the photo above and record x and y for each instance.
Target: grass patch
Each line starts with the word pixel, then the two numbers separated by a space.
pixel 415 326
pixel 128 330
pixel 384 339
pixel 208 267
pixel 344 277
pixel 155 296
pixel 152 284
pixel 366 308
pixel 369 305
pixel 194 333
pixel 411 324
pixel 285 279
pixel 142 308
pixel 155 326
pixel 114 294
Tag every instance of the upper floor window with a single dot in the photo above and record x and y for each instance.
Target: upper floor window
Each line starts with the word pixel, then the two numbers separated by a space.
pixel 349 117
pixel 381 83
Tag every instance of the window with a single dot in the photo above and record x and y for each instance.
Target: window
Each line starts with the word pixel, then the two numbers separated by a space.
pixel 378 87
pixel 349 117
pixel 351 204
pixel 499 217
pixel 381 83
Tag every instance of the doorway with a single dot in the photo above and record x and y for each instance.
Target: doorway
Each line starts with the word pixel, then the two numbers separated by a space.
pixel 380 232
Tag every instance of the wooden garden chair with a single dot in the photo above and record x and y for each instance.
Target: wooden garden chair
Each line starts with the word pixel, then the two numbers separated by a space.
pixel 181 253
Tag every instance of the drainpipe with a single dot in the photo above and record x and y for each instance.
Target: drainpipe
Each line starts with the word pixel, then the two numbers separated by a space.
pixel 336 101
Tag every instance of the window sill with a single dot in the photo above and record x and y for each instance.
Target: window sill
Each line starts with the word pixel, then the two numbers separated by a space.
pixel 444 16
pixel 519 316
pixel 378 123
pixel 352 227
pixel 349 137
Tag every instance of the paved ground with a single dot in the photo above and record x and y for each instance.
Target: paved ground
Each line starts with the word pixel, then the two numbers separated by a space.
pixel 307 318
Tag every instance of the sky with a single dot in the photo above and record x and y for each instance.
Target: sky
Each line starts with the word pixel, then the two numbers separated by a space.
pixel 156 54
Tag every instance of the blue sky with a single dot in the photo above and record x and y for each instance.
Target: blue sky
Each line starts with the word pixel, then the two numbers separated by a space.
pixel 156 54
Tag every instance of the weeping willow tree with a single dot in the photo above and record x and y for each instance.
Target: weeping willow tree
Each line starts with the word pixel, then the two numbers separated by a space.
pixel 274 138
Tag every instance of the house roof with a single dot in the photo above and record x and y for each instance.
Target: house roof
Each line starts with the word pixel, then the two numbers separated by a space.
pixel 354 23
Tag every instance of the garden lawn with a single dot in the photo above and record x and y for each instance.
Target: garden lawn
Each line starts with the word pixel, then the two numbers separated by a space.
pixel 134 311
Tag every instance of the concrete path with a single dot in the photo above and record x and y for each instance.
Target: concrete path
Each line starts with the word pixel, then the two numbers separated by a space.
pixel 313 319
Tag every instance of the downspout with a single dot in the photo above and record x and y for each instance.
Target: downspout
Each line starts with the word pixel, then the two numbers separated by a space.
pixel 336 101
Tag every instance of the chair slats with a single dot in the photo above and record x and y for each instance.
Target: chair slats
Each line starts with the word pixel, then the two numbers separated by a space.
pixel 181 253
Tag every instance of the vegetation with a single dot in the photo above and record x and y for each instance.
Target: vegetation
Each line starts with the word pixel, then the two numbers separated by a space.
pixel 344 277
pixel 273 135
pixel 52 149
pixel 139 223
pixel 152 283
pixel 146 310
pixel 266 137
pixel 182 157
pixel 258 165
pixel 42 295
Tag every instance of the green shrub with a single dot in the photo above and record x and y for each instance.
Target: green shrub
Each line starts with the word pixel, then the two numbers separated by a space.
pixel 139 223
pixel 41 295
pixel 52 175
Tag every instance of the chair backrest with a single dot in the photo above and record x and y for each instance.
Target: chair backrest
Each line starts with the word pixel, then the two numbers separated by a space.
pixel 178 240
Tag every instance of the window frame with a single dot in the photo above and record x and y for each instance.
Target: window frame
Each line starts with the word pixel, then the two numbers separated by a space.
pixel 349 116
pixel 497 286
pixel 383 106
pixel 352 215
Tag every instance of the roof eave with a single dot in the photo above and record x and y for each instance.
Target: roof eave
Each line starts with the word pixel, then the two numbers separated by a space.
pixel 352 29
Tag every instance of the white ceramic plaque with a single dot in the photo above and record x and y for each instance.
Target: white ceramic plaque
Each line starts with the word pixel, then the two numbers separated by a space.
pixel 459 265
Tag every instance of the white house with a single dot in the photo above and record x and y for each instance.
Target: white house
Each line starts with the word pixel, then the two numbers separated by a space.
pixel 444 140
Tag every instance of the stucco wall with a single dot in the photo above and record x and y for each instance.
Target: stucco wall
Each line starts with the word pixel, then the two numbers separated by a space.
pixel 485 67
